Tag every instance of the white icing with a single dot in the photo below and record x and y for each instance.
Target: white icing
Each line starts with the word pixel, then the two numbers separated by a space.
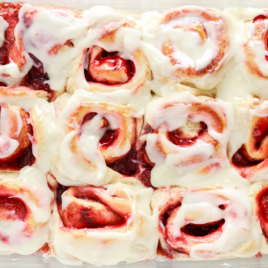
pixel 97 16
pixel 10 74
pixel 3 27
pixel 8 145
pixel 235 88
pixel 136 240
pixel 43 118
pixel 239 135
pixel 23 97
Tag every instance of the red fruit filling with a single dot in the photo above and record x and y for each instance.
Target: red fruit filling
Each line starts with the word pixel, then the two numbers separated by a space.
pixel 12 208
pixel 110 69
pixel 109 136
pixel 184 139
pixel 80 216
pixel 36 77
pixel 200 230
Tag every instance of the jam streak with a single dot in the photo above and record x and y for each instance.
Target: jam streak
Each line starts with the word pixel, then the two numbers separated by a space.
pixel 12 208
pixel 262 211
pixel 180 138
pixel 36 77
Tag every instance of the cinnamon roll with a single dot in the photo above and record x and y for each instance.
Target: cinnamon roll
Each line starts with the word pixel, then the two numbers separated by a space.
pixel 187 140
pixel 47 58
pixel 104 225
pixel 259 195
pixel 10 56
pixel 248 149
pixel 113 63
pixel 193 43
pixel 25 205
pixel 17 129
pixel 203 224
pixel 252 55
pixel 96 141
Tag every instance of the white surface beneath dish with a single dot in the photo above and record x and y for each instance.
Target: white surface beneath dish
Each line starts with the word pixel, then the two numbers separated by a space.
pixel 136 6
pixel 36 261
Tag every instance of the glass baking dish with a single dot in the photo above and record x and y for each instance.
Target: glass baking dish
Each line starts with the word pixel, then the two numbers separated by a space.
pixel 137 6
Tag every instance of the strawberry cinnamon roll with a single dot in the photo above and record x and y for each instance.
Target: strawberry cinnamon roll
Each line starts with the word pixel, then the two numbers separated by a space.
pixel 252 57
pixel 259 195
pixel 187 139
pixel 47 54
pixel 205 224
pixel 193 43
pixel 104 225
pixel 112 63
pixel 17 129
pixel 96 141
pixel 248 149
pixel 25 205
pixel 10 57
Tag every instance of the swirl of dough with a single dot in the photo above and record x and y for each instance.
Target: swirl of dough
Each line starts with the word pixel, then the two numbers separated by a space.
pixel 15 133
pixel 17 129
pixel 48 54
pixel 200 224
pixel 111 64
pixel 95 135
pixel 252 57
pixel 104 225
pixel 188 138
pixel 193 43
